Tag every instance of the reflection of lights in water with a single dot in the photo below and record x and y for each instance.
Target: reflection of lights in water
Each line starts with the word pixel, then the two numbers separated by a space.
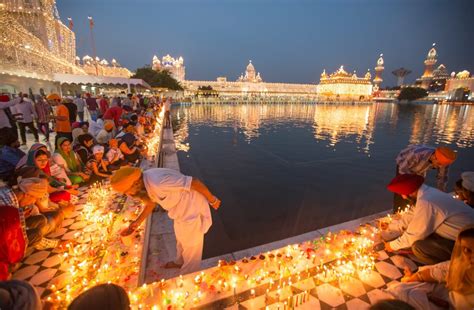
pixel 332 123
pixel 337 124
pixel 181 134
pixel 445 124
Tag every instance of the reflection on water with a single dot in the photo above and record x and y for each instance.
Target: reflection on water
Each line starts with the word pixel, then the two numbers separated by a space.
pixel 441 124
pixel 286 169
pixel 445 125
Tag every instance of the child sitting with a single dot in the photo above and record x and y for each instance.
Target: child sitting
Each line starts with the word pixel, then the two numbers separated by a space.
pixel 114 156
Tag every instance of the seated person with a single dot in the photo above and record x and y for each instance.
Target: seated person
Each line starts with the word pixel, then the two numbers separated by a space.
pixel 97 165
pixel 15 295
pixel 128 146
pixel 464 188
pixel 22 198
pixel 67 159
pixel 449 284
pixel 10 153
pixel 105 134
pixel 54 212
pixel 38 156
pixel 84 147
pixel 114 156
pixel 431 227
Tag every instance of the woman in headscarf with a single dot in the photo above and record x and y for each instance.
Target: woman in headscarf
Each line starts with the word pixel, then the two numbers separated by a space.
pixel 67 159
pixel 38 156
pixel 84 147
pixel 444 285
pixel 127 144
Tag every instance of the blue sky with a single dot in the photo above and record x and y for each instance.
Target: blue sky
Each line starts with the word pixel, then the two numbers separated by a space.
pixel 287 40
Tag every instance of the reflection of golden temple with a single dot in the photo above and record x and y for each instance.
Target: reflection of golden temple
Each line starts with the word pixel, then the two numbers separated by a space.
pixel 342 85
pixel 335 124
pixel 331 123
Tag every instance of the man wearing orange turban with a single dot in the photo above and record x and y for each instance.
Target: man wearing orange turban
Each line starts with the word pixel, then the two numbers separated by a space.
pixel 430 227
pixel 418 159
pixel 187 201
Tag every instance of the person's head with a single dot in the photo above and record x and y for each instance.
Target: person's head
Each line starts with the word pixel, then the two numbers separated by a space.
pixel 32 189
pixel 85 126
pixel 113 143
pixel 98 151
pixel 127 180
pixel 129 128
pixel 129 96
pixel 88 95
pixel 442 157
pixel 467 187
pixel 4 98
pixel 54 99
pixel 75 125
pixel 19 293
pixel 466 239
pixel 127 109
pixel 391 304
pixel 86 140
pixel 41 159
pixel 9 137
pixel 104 297
pixel 406 185
pixel 65 145
pixel 109 125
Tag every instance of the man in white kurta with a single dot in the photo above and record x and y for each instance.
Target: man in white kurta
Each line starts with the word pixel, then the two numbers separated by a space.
pixel 186 207
pixel 185 198
pixel 432 226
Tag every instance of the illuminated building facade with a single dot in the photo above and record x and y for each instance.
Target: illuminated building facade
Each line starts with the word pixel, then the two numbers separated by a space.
pixel 175 66
pixel 342 85
pixel 35 45
pixel 460 86
pixel 251 85
pixel 104 68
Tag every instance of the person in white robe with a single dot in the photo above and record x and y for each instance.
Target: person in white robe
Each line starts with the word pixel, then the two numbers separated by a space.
pixel 187 201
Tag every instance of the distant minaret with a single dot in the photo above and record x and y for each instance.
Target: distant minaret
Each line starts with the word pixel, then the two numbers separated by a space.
pixel 429 65
pixel 378 73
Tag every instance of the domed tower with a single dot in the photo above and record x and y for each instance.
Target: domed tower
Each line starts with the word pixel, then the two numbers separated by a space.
pixel 378 73
pixel 429 65
pixel 250 73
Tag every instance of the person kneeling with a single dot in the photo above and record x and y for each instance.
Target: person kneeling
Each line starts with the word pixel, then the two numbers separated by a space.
pixel 431 227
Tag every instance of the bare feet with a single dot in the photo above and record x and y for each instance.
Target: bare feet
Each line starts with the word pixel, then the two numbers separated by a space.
pixel 171 265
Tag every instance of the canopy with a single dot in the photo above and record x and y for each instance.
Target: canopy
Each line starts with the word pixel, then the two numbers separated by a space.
pixel 97 80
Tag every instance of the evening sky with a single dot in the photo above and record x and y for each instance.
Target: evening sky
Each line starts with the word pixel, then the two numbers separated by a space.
pixel 287 40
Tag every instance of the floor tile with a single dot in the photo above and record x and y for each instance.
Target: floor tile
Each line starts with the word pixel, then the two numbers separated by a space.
pixel 357 304
pixel 37 257
pixel 78 225
pixel 67 222
pixel 330 295
pixel 70 235
pixel 59 232
pixel 52 261
pixel 25 272
pixel 382 255
pixel 372 278
pixel 388 270
pixel 353 287
pixel 43 276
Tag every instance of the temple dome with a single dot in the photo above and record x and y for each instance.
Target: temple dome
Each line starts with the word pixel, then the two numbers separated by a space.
pixel 432 53
pixel 250 66
pixel 380 61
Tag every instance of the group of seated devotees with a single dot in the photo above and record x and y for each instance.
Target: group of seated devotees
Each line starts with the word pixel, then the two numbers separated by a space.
pixel 438 230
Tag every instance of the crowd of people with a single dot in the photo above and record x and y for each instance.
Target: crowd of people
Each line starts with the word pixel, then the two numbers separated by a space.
pixel 39 184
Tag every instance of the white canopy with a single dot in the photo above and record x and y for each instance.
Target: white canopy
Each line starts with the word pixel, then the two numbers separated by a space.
pixel 97 80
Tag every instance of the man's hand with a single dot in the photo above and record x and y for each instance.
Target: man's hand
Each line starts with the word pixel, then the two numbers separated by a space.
pixel 216 203
pixel 388 248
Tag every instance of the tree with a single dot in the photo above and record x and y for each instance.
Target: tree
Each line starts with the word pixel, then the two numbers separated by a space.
pixel 412 93
pixel 157 78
